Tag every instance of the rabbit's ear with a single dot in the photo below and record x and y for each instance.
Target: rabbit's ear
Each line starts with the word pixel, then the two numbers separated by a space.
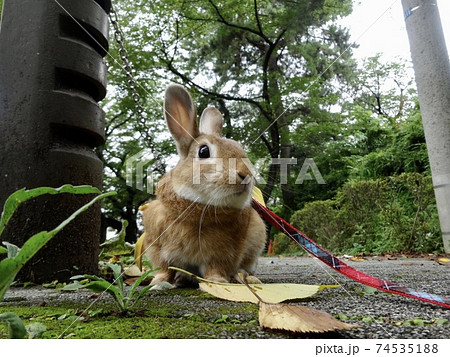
pixel 180 114
pixel 211 122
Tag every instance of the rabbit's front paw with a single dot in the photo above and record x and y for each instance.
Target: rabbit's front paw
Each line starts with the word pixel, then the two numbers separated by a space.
pixel 216 276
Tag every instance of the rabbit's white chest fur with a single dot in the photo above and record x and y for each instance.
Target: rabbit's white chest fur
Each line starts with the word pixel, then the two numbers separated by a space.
pixel 223 197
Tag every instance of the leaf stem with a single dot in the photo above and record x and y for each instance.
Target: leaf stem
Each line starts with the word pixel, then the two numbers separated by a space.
pixel 241 278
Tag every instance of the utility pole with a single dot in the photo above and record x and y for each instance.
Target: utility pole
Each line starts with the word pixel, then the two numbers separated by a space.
pixel 52 74
pixel 432 71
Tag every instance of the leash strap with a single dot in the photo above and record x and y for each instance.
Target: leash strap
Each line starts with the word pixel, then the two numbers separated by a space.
pixel 333 262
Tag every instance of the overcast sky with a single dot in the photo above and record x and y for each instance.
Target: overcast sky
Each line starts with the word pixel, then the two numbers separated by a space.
pixel 379 26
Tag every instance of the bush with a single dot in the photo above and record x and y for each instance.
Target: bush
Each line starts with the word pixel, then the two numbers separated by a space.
pixel 395 214
pixel 282 244
pixel 319 221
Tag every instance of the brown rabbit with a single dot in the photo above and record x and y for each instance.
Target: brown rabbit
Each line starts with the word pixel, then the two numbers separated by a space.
pixel 202 220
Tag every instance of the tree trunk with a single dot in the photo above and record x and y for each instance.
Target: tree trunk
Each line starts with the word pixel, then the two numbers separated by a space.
pixel 279 114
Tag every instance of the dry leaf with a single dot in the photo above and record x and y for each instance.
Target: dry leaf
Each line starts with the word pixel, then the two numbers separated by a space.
pixel 298 319
pixel 410 264
pixel 133 271
pixel 131 281
pixel 271 313
pixel 272 293
pixel 357 259
pixel 443 261
pixel 258 196
pixel 138 253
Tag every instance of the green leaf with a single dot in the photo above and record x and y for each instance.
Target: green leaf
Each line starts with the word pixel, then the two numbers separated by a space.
pixel 3 250
pixel 117 271
pixel 369 291
pixel 138 281
pixel 101 286
pixel 50 285
pixel 342 317
pixel 9 267
pixel 78 277
pixel 441 321
pixel 117 245
pixel 97 285
pixel 86 277
pixel 11 249
pixel 35 330
pixel 144 291
pixel 23 195
pixel 36 242
pixel 222 319
pixel 16 328
pixel 73 286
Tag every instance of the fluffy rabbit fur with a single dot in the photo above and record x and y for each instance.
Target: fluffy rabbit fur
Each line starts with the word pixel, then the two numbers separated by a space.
pixel 202 220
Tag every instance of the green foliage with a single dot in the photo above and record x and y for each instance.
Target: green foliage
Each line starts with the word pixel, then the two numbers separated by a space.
pixel 404 150
pixel 384 89
pixel 281 244
pixel 16 328
pixel 312 218
pixel 23 195
pixel 116 245
pixel 125 300
pixel 270 66
pixel 10 266
pixel 283 76
pixel 395 214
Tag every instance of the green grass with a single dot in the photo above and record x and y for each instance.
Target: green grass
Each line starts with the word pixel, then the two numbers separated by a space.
pixel 167 314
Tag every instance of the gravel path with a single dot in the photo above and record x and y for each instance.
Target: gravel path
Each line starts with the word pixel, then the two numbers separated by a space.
pixel 350 299
pixel 380 315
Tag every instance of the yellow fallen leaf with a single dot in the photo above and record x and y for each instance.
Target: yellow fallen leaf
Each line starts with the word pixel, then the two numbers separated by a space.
pixel 443 260
pixel 357 259
pixel 272 293
pixel 138 253
pixel 257 195
pixel 132 271
pixel 298 319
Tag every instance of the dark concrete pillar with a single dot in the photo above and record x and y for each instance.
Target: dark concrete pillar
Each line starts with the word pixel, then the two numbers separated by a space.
pixel 52 74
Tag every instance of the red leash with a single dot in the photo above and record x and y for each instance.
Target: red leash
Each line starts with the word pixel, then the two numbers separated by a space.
pixel 333 262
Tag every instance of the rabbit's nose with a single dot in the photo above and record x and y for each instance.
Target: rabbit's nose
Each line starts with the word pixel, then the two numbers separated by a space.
pixel 242 176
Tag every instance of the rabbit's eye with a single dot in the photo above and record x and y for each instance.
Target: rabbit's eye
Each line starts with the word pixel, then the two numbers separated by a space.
pixel 203 152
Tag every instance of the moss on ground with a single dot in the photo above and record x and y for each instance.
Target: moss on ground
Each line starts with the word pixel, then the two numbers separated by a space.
pixel 179 313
